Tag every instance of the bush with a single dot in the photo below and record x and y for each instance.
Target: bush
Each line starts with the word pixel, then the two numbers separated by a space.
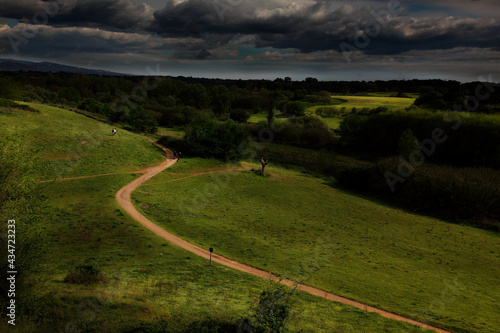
pixel 328 111
pixel 272 312
pixel 324 97
pixel 84 274
pixel 293 108
pixel 431 99
pixel 407 144
pixel 91 105
pixel 239 115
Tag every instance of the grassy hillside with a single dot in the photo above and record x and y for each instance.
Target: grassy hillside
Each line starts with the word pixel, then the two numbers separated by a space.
pixel 73 145
pixel 146 284
pixel 303 228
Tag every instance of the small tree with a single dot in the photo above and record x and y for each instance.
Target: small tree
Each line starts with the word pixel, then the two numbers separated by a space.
pixel 270 114
pixel 408 143
pixel 263 162
pixel 324 97
pixel 221 100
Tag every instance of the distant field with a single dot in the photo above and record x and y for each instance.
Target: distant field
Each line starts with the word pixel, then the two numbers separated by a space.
pixel 334 122
pixel 301 227
pixel 391 93
pixel 373 102
pixel 149 285
pixel 360 102
pixel 172 132
pixel 257 117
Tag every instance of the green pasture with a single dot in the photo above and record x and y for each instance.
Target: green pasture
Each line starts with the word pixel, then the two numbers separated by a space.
pixel 147 284
pixel 358 102
pixel 257 117
pixel 303 228
pixel 391 94
pixel 149 281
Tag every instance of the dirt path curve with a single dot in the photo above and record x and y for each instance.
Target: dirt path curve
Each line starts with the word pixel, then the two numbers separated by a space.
pixel 123 196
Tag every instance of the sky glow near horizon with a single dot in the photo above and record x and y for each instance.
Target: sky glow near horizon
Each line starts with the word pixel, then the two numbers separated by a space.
pixel 330 40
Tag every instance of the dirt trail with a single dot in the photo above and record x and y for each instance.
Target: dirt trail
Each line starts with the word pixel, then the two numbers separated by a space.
pixel 91 176
pixel 123 196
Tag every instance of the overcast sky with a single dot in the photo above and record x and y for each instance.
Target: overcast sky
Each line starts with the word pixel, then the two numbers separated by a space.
pixel 329 40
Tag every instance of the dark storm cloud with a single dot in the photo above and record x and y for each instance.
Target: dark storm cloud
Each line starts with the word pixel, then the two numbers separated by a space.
pixel 307 26
pixel 316 26
pixel 111 14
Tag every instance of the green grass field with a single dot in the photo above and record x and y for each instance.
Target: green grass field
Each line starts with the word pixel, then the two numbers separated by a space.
pixel 358 102
pixel 257 117
pixel 301 227
pixel 74 145
pixel 148 284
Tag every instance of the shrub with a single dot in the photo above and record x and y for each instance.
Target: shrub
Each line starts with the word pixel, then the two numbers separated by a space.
pixel 324 97
pixel 239 115
pixel 293 108
pixel 91 105
pixel 84 274
pixel 407 144
pixel 272 312
pixel 328 111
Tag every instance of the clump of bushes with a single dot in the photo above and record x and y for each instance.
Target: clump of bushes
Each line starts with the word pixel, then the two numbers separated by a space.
pixel 330 111
pixel 309 131
pixel 463 195
pixel 293 108
pixel 84 274
pixel 208 137
pixel 465 139
pixel 239 115
pixel 94 106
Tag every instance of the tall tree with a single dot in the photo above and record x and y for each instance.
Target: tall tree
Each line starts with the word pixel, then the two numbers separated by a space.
pixel 221 100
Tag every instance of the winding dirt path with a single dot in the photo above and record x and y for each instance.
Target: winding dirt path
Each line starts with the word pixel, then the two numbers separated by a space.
pixel 123 196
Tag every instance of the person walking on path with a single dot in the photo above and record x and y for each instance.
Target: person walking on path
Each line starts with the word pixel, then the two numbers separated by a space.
pixel 178 156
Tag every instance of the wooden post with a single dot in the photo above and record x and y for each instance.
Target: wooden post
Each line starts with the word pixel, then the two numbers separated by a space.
pixel 211 250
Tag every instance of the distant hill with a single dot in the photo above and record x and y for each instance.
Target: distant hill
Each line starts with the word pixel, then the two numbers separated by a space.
pixel 28 66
